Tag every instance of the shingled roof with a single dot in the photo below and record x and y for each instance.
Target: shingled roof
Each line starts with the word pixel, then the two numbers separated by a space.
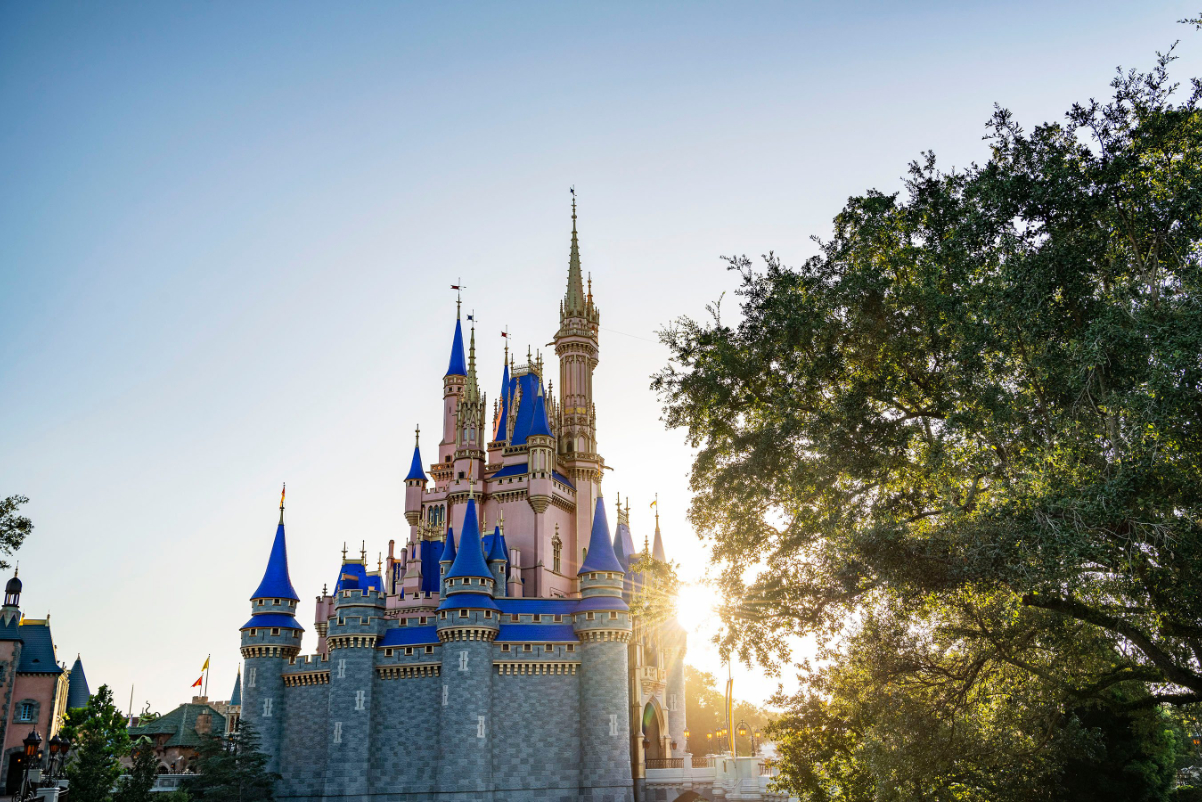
pixel 180 724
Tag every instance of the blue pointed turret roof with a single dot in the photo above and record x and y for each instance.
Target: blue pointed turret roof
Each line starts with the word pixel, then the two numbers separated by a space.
pixel 539 425
pixel 78 692
pixel 601 555
pixel 620 550
pixel 276 584
pixel 498 551
pixel 236 696
pixel 458 366
pixel 448 551
pixel 469 561
pixel 498 429
pixel 416 471
pixel 530 386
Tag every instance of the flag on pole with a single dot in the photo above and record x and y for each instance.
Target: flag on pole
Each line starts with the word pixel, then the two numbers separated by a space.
pixel 655 503
pixel 198 681
pixel 205 667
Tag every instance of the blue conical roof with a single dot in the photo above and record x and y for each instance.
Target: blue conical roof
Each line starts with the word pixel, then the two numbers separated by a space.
pixel 458 366
pixel 236 696
pixel 499 432
pixel 469 561
pixel 415 468
pixel 530 387
pixel 276 584
pixel 448 551
pixel 540 424
pixel 601 555
pixel 499 550
pixel 620 549
pixel 77 687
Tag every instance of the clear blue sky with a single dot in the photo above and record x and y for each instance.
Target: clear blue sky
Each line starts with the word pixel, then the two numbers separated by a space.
pixel 227 232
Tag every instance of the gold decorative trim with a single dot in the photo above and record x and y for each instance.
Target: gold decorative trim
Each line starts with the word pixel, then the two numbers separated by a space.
pixel 535 667
pixel 466 633
pixel 351 641
pixel 249 652
pixel 307 678
pixel 410 671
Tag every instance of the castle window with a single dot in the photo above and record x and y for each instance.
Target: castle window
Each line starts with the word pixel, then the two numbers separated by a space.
pixel 558 619
pixel 388 652
pixel 27 711
pixel 461 474
pixel 429 650
pixel 262 602
pixel 548 647
pixel 408 651
pixel 443 615
pixel 488 613
pixel 589 616
pixel 423 620
pixel 504 647
pixel 613 616
pixel 557 554
pixel 463 613
pixel 538 619
pixel 571 647
pixel 513 619
pixel 275 630
pixel 526 647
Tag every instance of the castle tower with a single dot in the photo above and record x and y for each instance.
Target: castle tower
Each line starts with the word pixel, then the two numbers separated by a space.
pixel 355 626
pixel 498 563
pixel 269 639
pixel 577 347
pixel 472 425
pixel 452 393
pixel 602 623
pixel 415 486
pixel 468 620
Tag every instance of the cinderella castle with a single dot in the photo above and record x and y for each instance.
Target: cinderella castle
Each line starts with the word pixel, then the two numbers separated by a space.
pixel 494 655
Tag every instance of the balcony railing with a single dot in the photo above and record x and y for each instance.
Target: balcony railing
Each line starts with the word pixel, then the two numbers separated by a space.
pixel 654 674
pixel 665 762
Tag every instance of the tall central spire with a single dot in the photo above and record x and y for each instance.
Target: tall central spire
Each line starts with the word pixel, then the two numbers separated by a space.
pixel 573 301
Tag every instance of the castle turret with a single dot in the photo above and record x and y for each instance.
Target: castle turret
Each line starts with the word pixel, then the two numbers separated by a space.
pixel 357 623
pixel 577 346
pixel 498 563
pixel 445 561
pixel 452 393
pixel 415 484
pixel 269 639
pixel 10 614
pixel 602 623
pixel 468 620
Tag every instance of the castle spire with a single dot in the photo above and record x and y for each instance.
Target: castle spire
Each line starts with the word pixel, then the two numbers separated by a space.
pixel 573 301
pixel 416 471
pixel 457 366
pixel 601 555
pixel 276 584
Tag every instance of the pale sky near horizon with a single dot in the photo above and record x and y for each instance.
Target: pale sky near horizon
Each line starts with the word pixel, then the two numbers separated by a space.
pixel 227 233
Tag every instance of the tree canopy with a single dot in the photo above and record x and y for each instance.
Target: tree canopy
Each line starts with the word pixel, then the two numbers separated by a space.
pixel 99 738
pixel 962 446
pixel 232 769
pixel 14 528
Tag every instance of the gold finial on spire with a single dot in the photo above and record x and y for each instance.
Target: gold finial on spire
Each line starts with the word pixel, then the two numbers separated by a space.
pixel 417 435
pixel 380 562
pixel 573 191
pixel 282 489
pixel 363 553
pixel 458 287
pixel 344 551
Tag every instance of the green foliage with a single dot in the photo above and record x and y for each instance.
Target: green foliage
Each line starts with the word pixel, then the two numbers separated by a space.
pixel 232 770
pixel 14 528
pixel 962 446
pixel 98 740
pixel 136 784
pixel 705 712
pixel 177 795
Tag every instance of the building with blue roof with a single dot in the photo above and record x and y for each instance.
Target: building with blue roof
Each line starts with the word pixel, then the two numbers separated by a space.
pixel 495 639
pixel 36 690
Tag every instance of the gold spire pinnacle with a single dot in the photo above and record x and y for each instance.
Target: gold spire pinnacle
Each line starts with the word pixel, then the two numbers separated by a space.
pixel 344 551
pixel 363 553
pixel 282 489
pixel 417 436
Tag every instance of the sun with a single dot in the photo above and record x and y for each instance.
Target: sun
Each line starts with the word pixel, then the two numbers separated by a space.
pixel 696 608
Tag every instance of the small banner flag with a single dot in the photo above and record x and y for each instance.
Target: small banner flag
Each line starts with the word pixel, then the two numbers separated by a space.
pixel 655 503
pixel 198 681
pixel 205 667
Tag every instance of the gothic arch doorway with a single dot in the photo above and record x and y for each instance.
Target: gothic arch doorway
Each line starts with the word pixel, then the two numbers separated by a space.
pixel 653 742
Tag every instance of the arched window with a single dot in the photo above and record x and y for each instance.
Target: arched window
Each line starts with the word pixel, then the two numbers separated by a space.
pixel 557 552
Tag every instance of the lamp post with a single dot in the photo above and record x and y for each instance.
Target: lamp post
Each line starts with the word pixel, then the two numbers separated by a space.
pixel 744 730
pixel 32 742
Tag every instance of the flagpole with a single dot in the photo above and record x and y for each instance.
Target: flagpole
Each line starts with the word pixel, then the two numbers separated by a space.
pixel 207 670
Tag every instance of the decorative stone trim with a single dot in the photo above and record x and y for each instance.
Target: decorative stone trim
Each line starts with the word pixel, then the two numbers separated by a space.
pixel 270 651
pixel 596 635
pixel 531 667
pixel 351 641
pixel 410 671
pixel 466 633
pixel 308 678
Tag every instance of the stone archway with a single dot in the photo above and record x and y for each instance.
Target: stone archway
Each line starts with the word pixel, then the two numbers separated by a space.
pixel 653 741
